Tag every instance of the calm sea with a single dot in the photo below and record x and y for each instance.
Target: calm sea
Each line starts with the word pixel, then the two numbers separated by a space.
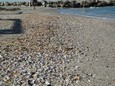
pixel 105 12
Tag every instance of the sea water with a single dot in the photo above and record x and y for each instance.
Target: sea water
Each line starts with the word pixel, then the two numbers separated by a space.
pixel 104 12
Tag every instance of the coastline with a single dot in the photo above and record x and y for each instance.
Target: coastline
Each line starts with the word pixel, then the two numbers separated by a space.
pixel 57 49
pixel 100 12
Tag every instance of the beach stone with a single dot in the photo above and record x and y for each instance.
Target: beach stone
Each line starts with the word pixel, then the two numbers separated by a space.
pixel 1 83
pixel 47 83
pixel 1 56
pixel 30 82
pixel 6 78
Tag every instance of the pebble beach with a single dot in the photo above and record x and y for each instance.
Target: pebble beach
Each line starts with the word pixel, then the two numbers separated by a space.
pixel 44 48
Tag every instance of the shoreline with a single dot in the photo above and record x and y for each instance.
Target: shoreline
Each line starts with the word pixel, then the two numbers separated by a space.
pixel 90 12
pixel 50 10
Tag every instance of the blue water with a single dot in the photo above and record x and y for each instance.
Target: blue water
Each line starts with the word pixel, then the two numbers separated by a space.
pixel 105 12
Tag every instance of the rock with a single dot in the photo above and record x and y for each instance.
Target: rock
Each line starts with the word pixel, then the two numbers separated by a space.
pixel 6 78
pixel 35 76
pixel 89 80
pixel 47 83
pixel 30 82
pixel 1 56
pixel 77 67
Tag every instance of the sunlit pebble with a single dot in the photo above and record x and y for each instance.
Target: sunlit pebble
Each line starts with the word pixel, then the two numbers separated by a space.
pixel 89 80
pixel 76 67
pixel 77 81
pixel 1 56
pixel 67 80
pixel 97 59
pixel 47 82
pixel 94 75
pixel 65 56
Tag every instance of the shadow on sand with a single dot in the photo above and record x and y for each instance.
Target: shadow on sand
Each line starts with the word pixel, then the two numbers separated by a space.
pixel 15 29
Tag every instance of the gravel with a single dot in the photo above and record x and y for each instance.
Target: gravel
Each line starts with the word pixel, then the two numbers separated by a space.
pixel 57 50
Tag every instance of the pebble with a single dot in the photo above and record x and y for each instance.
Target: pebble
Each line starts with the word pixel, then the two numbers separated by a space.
pixel 77 67
pixel 1 56
pixel 89 80
pixel 30 82
pixel 1 83
pixel 47 83
pixel 6 78
pixel 77 81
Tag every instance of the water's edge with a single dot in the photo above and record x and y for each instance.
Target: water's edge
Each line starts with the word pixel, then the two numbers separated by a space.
pixel 98 12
